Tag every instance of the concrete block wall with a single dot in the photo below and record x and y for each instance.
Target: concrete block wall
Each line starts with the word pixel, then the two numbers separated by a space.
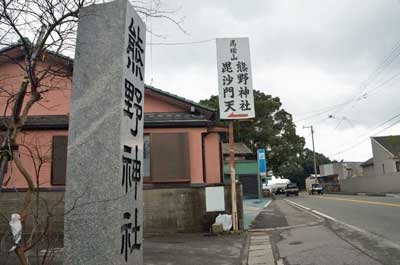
pixel 166 210
pixel 183 209
pixel 51 205
pixel 387 183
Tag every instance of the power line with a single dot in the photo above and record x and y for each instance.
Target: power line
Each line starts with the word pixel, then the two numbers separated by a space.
pixel 360 142
pixel 373 128
pixel 327 110
pixel 387 61
pixel 344 104
pixel 178 43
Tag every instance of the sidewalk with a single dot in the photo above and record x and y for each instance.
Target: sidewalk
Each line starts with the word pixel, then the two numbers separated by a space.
pixel 176 249
pixel 251 209
pixel 286 234
pixel 277 216
pixel 195 249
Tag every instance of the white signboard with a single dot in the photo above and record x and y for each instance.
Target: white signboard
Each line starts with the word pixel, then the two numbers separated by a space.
pixel 234 79
pixel 215 199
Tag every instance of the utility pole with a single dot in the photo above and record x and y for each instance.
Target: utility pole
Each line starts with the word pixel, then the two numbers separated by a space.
pixel 313 148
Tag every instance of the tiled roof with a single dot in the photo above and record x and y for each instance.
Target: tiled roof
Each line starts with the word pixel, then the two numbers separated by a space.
pixel 175 119
pixel 391 143
pixel 240 149
pixel 191 102
pixel 162 119
pixel 55 54
pixel 42 122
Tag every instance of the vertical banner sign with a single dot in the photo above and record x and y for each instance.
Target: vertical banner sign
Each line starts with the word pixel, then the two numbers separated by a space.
pixel 234 79
pixel 262 168
pixel 131 219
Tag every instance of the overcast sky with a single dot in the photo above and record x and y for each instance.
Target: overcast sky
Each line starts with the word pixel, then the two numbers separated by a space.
pixel 314 55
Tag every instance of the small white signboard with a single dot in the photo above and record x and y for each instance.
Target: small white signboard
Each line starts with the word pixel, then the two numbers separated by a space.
pixel 235 84
pixel 215 199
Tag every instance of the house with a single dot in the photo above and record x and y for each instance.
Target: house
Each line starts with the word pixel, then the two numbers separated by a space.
pixel 381 173
pixel 332 174
pixel 368 167
pixel 386 154
pixel 246 170
pixel 182 153
pixel 342 170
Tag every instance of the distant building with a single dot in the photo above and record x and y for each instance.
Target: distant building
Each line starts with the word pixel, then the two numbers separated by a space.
pixel 331 174
pixel 368 167
pixel 381 173
pixel 242 151
pixel 246 170
pixel 386 154
pixel 342 170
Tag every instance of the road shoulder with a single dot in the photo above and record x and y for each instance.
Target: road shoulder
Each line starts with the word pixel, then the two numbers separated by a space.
pixel 292 234
pixel 357 246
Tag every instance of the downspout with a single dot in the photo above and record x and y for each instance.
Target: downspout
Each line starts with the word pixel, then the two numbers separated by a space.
pixel 221 161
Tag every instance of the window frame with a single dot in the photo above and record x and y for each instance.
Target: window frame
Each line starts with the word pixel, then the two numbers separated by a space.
pixel 150 179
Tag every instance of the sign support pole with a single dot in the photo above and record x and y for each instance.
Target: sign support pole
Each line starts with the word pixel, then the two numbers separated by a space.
pixel 259 182
pixel 233 177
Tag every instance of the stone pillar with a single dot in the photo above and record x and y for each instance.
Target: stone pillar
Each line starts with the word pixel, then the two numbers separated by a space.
pixel 103 200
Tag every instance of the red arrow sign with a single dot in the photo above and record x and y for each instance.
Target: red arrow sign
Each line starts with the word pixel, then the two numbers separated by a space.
pixel 232 115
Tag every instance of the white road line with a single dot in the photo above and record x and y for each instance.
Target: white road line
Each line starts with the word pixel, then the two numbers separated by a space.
pixel 393 195
pixel 352 227
pixel 324 215
pixel 298 205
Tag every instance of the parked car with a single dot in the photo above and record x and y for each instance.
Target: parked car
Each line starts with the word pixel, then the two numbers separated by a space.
pixel 292 189
pixel 316 188
pixel 278 191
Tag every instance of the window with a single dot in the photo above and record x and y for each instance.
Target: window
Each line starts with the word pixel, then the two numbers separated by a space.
pixel 397 166
pixel 59 160
pixel 169 157
pixel 383 169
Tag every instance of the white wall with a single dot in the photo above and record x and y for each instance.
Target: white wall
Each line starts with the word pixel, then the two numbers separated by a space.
pixel 387 183
pixel 382 157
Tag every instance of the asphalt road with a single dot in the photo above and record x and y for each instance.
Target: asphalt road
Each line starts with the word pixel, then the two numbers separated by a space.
pixel 377 215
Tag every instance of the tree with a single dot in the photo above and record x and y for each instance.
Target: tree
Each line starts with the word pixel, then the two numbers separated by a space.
pixel 272 128
pixel 308 161
pixel 41 29
pixel 302 166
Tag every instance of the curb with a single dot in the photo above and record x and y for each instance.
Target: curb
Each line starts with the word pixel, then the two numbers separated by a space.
pixel 245 251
